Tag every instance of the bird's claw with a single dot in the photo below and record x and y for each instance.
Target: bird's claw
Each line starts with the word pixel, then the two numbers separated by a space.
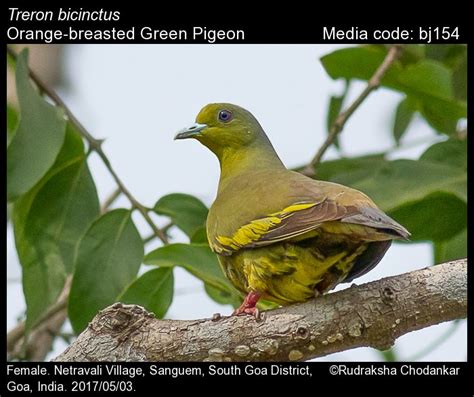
pixel 248 306
pixel 253 311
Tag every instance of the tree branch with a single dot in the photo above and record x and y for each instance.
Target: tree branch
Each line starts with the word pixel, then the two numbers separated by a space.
pixel 337 126
pixel 110 200
pixel 165 230
pixel 373 314
pixel 41 338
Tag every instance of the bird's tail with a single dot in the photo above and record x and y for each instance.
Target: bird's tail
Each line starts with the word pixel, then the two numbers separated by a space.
pixel 368 259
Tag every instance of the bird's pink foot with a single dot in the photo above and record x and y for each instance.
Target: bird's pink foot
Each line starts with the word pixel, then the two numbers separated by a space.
pixel 248 306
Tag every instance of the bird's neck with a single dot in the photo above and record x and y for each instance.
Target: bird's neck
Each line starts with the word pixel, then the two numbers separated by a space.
pixel 238 162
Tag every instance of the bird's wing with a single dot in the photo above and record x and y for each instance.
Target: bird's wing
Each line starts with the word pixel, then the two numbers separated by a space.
pixel 300 218
pixel 288 223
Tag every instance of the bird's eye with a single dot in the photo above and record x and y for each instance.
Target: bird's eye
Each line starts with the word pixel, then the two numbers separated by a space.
pixel 225 116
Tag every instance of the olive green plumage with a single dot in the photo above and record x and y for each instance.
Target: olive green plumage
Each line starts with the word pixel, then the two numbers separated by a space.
pixel 277 232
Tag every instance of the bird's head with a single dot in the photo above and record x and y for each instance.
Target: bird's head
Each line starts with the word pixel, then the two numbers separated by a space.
pixel 223 126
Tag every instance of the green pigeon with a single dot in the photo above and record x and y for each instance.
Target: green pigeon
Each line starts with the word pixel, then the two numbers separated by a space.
pixel 278 234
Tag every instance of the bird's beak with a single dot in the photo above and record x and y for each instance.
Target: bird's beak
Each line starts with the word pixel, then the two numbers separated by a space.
pixel 191 131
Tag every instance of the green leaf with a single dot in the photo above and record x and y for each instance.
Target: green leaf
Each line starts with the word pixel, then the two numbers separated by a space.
pixel 359 63
pixel 448 54
pixel 12 122
pixel 428 82
pixel 412 53
pixel 428 77
pixel 9 211
pixel 61 207
pixel 438 216
pixel 439 118
pixel 198 259
pixel 153 290
pixel 394 183
pixel 333 169
pixel 335 104
pixel 442 114
pixel 48 223
pixel 38 139
pixel 427 197
pixel 460 79
pixel 62 211
pixel 108 259
pixel 200 236
pixel 222 296
pixel 454 57
pixel 403 117
pixel 389 355
pixel 431 83
pixel 334 108
pixel 424 79
pixel 11 62
pixel 437 52
pixel 266 305
pixel 454 248
pixel 452 152
pixel 234 299
pixel 186 211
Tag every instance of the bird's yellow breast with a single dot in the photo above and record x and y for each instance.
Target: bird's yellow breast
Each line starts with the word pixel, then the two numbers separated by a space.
pixel 289 272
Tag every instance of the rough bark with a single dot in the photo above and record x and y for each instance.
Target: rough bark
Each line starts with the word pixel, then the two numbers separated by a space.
pixel 373 314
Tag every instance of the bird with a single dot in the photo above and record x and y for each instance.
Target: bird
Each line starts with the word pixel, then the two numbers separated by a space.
pixel 278 234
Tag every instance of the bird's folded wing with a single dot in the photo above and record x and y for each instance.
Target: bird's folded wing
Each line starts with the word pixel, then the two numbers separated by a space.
pixel 300 218
pixel 288 223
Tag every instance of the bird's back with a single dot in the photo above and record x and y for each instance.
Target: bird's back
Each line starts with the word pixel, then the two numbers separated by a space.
pixel 255 195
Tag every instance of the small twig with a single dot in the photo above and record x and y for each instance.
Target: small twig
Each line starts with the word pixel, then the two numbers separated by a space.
pixel 149 239
pixel 338 124
pixel 66 336
pixel 165 229
pixel 50 320
pixel 135 203
pixel 19 330
pixel 96 146
pixel 41 340
pixel 110 200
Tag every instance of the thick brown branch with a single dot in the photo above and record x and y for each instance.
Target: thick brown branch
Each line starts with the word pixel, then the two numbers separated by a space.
pixel 338 124
pixel 373 314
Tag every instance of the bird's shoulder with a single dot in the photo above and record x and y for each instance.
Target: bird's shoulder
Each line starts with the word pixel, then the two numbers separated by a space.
pixel 248 197
pixel 268 191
